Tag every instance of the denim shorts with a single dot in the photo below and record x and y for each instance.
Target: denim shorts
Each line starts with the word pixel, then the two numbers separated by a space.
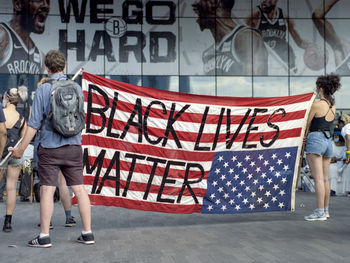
pixel 13 162
pixel 317 143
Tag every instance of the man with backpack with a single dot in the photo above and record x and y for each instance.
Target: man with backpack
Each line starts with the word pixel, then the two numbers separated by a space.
pixel 57 111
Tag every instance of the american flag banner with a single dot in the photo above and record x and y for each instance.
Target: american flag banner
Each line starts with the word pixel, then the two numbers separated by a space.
pixel 173 152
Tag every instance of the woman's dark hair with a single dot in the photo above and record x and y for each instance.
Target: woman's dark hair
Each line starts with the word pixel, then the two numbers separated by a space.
pixel 329 84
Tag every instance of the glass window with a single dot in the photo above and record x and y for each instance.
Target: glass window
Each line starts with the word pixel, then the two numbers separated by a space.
pixel 338 42
pixel 301 85
pixel 194 43
pixel 161 49
pixel 198 85
pixel 234 86
pixel 270 86
pixel 161 82
pixel 304 8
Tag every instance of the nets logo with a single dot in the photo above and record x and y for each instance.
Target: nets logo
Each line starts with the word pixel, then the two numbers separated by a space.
pixel 116 27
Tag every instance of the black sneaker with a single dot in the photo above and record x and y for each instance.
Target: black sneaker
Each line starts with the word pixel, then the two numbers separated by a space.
pixel 7 225
pixel 87 239
pixel 70 222
pixel 40 242
pixel 51 226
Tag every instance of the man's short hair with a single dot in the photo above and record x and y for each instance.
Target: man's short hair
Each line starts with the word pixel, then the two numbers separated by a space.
pixel 55 61
pixel 228 4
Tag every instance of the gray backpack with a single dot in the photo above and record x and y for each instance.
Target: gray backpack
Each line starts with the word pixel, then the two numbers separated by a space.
pixel 67 108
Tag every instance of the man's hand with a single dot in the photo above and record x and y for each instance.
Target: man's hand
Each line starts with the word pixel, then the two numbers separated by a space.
pixel 17 153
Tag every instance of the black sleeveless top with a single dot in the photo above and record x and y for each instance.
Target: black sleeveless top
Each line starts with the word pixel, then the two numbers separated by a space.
pixel 320 123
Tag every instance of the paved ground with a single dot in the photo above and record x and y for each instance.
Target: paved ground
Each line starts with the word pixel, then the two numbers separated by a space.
pixel 128 236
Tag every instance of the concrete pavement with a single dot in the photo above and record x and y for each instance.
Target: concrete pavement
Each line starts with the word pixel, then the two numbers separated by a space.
pixel 131 236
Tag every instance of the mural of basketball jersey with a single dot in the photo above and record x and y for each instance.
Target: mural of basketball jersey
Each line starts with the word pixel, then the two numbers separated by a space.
pixel 18 59
pixel 222 59
pixel 274 34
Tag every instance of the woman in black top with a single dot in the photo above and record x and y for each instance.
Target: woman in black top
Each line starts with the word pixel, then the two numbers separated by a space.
pixel 319 145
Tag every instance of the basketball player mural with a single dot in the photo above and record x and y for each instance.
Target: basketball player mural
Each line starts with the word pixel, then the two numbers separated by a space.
pixel 273 26
pixel 340 47
pixel 18 52
pixel 234 43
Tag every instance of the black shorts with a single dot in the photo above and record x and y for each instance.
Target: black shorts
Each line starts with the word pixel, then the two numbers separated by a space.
pixel 68 159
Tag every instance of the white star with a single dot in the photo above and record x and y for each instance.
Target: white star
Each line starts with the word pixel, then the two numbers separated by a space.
pixel 225 164
pixel 242 182
pixel 231 170
pixel 247 158
pixel 247 188
pixel 274 199
pixel 214 183
pixel 266 162
pixel 234 189
pixel 220 189
pixel 285 167
pixel 217 201
pixel 267 193
pixel 271 168
pixel 282 192
pixel 245 201
pixel 239 195
pixel 261 187
pixel 288 155
pixel 210 207
pixel 250 176
pixel 217 170
pixel 277 174
pixel 212 196
pixel 252 164
pixel 221 158
pixel 258 169
pixel 284 180
pixel 237 207
pixel 253 194
pixel 274 156
pixel 232 202
pixel 275 187
pixel 266 205
pixel 260 157
pixel 281 205
pixel 263 175
pixel 223 208
pixel 226 195
pixel 228 183
pixel 259 200
pixel 223 177
pixel 279 162
pixel 251 206
pixel 256 181
pixel 239 164
pixel 269 181
pixel 244 170
pixel 236 177
pixel 234 158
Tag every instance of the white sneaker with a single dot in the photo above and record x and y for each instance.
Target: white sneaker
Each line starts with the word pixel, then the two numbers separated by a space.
pixel 315 216
pixel 327 214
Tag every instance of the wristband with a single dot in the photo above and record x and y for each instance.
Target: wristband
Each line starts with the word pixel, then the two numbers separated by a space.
pixel 347 154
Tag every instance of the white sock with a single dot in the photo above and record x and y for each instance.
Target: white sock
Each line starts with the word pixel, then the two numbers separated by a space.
pixel 86 232
pixel 41 235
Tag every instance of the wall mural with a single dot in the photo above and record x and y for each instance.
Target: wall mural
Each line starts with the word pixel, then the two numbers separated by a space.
pixel 171 44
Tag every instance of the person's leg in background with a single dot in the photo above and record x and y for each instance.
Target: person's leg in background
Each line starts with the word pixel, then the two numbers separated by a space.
pixel 2 185
pixel 11 190
pixel 66 200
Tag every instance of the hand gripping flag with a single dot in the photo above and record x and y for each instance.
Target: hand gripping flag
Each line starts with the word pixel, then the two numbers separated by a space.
pixel 172 152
